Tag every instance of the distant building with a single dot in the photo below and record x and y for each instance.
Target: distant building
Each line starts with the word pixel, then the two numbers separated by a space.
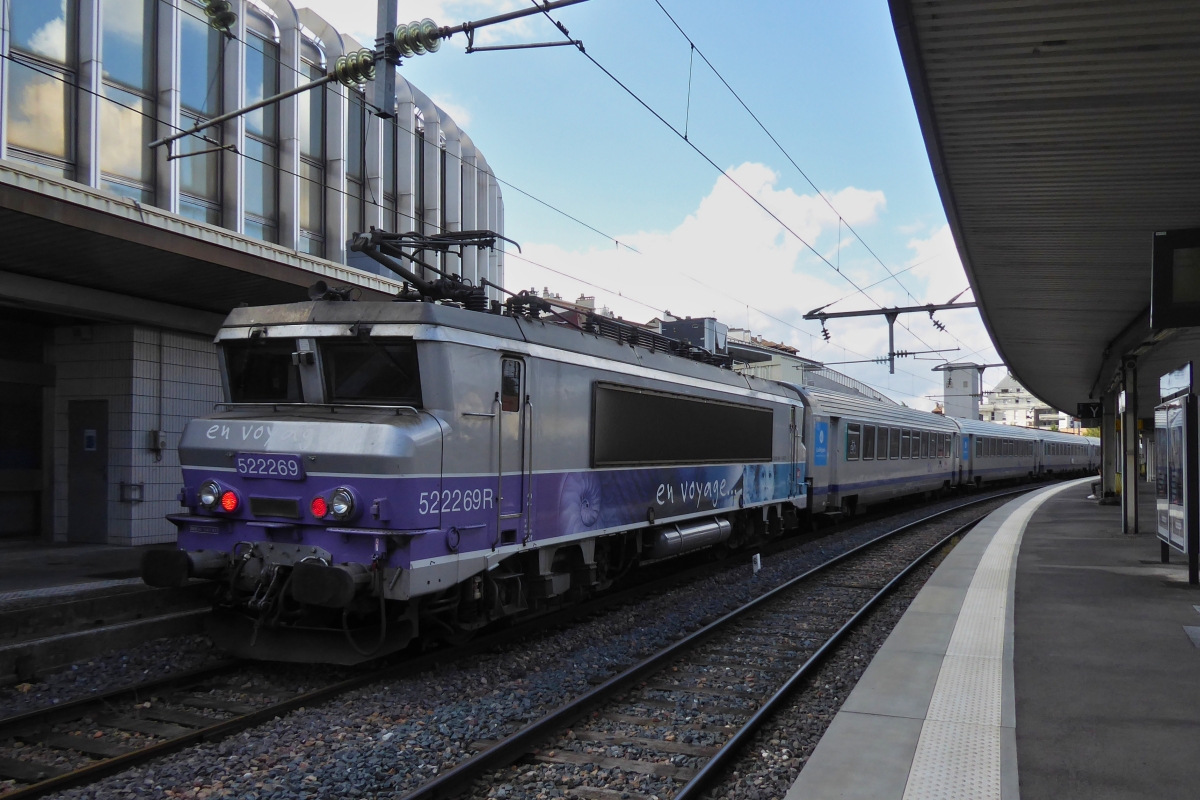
pixel 1010 404
pixel 961 384
pixel 762 358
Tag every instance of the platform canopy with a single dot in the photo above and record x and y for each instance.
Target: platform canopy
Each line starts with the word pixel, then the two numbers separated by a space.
pixel 76 251
pixel 1062 135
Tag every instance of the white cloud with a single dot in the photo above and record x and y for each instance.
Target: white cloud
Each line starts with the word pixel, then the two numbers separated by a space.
pixel 458 113
pixel 731 260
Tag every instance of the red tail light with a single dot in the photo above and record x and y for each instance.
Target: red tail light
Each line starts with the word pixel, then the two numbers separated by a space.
pixel 229 502
pixel 319 507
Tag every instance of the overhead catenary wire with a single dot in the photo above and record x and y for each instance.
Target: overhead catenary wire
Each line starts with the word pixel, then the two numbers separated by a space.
pixel 571 217
pixel 282 170
pixel 637 98
pixel 841 219
pixel 183 9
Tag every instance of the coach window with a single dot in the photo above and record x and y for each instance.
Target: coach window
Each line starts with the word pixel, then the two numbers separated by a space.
pixel 978 447
pixel 905 443
pixel 868 448
pixel 894 443
pixel 853 441
pixel 881 443
pixel 924 445
pixel 510 385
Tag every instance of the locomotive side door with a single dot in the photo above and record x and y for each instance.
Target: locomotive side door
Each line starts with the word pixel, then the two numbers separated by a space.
pixel 510 477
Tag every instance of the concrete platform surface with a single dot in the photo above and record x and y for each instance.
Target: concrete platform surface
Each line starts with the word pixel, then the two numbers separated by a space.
pixel 1049 656
pixel 31 568
pixel 1107 677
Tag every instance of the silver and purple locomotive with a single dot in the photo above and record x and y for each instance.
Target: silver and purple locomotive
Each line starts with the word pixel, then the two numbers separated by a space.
pixel 426 467
pixel 382 470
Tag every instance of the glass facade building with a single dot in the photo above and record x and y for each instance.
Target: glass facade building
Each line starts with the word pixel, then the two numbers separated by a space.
pixel 88 84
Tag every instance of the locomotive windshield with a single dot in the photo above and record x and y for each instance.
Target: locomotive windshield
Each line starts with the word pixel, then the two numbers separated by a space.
pixel 372 371
pixel 261 371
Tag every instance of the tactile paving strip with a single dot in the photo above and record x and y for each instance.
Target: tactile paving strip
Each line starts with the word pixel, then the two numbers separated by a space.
pixel 958 753
pixel 68 589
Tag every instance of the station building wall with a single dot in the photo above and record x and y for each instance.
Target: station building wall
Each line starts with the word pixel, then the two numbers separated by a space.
pixel 151 380
pixel 85 86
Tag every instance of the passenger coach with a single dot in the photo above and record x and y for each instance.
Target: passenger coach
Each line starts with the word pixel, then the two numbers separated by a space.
pixel 863 451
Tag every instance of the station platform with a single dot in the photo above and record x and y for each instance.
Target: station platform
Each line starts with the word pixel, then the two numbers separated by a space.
pixel 1049 656
pixel 32 568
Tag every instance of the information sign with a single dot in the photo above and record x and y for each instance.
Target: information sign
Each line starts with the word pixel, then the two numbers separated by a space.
pixel 1090 414
pixel 1175 279
pixel 1178 523
pixel 820 444
pixel 1175 383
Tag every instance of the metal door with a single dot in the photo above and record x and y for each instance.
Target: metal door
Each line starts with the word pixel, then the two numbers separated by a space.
pixel 87 471
pixel 834 498
pixel 512 439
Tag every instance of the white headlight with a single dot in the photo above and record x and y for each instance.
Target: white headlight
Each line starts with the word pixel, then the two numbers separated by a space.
pixel 341 503
pixel 210 494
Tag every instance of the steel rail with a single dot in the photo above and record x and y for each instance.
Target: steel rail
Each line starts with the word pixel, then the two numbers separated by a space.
pixel 516 745
pixel 63 711
pixel 712 769
pixel 454 780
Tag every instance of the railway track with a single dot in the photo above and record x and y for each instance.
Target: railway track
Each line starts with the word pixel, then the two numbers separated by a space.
pixel 684 713
pixel 77 743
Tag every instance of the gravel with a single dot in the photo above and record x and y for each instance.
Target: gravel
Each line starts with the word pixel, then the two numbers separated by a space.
pixel 394 735
pixel 152 659
pixel 772 760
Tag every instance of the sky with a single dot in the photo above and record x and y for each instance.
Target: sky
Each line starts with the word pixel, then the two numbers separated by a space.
pixel 826 81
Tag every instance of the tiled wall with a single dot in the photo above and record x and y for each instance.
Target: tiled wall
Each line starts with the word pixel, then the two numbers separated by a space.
pixel 153 380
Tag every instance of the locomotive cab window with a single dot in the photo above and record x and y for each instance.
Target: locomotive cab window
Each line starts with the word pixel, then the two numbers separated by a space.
pixel 510 385
pixel 261 371
pixel 853 441
pixel 374 371
pixel 868 447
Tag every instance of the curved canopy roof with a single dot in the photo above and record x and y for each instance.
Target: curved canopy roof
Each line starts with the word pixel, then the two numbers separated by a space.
pixel 1062 135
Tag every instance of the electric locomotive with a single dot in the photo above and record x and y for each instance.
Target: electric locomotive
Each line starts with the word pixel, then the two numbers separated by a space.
pixel 383 470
